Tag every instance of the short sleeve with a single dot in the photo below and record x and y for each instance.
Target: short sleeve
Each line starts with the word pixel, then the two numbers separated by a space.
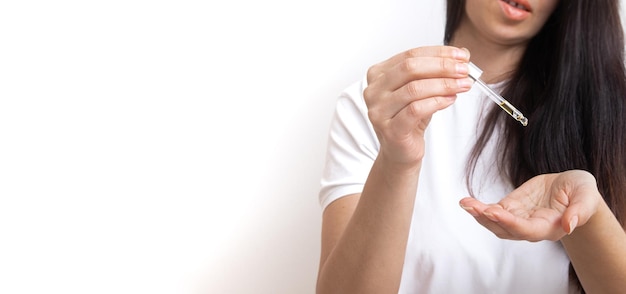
pixel 352 147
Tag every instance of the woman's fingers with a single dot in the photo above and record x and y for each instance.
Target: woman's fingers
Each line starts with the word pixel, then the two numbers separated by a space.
pixel 445 52
pixel 545 207
pixel 410 117
pixel 421 97
pixel 413 75
pixel 489 220
pixel 543 224
pixel 404 92
pixel 396 75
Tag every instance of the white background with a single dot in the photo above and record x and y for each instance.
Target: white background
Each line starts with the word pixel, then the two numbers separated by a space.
pixel 176 146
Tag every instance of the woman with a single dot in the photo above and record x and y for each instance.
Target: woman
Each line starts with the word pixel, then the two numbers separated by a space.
pixel 403 154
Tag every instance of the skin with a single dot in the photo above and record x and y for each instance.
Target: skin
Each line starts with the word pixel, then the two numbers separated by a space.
pixel 364 236
pixel 497 43
pixel 567 207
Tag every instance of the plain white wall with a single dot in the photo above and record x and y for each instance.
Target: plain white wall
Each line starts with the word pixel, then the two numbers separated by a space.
pixel 176 146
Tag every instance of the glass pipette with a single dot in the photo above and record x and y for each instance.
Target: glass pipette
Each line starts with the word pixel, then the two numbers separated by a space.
pixel 475 73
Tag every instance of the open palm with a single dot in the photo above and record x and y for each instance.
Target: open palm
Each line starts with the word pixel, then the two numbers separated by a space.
pixel 546 207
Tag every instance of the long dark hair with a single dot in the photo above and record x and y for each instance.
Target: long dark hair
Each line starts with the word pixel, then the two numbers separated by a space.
pixel 571 84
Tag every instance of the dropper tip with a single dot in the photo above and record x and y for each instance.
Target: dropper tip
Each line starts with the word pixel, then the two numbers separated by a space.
pixel 523 120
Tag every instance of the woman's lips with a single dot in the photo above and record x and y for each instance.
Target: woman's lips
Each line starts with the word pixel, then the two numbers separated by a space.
pixel 515 10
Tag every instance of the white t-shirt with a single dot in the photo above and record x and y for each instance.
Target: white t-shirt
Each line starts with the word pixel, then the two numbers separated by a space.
pixel 448 251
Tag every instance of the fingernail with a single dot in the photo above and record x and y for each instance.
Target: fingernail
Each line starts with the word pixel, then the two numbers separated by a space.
pixel 465 83
pixel 462 54
pixel 572 224
pixel 462 68
pixel 470 210
pixel 490 216
pixel 467 52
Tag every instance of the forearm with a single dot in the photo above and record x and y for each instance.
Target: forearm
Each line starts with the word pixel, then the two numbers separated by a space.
pixel 368 257
pixel 598 253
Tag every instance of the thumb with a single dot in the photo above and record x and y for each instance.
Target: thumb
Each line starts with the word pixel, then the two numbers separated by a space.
pixel 569 226
pixel 578 213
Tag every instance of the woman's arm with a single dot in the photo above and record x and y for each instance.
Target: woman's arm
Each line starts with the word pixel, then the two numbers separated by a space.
pixel 598 253
pixel 364 236
pixel 568 207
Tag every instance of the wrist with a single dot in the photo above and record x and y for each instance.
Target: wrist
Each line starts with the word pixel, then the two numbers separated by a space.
pixel 397 174
pixel 399 168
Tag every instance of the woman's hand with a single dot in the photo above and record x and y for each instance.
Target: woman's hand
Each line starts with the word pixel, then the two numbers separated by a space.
pixel 546 207
pixel 404 91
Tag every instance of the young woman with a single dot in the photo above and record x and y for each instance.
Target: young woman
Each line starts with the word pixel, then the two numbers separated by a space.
pixel 411 142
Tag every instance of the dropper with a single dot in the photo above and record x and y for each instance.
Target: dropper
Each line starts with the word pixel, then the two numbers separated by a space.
pixel 475 73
